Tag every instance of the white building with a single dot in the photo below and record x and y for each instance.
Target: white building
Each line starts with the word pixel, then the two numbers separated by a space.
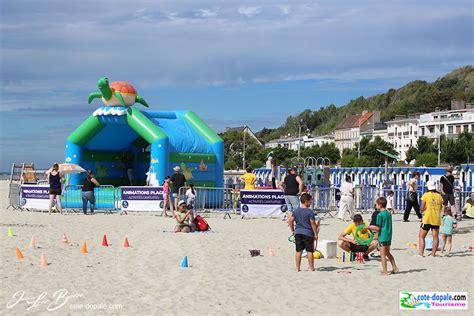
pixel 449 123
pixel 306 141
pixel 402 132
pixel 380 130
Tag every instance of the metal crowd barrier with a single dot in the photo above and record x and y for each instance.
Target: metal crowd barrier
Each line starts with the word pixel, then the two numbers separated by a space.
pixel 324 201
pixel 227 200
pixel 14 196
pixel 213 200
pixel 105 198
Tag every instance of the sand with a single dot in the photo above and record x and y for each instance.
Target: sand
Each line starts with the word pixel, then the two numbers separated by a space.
pixel 222 278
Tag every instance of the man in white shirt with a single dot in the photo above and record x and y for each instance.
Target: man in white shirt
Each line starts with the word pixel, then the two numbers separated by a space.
pixel 347 198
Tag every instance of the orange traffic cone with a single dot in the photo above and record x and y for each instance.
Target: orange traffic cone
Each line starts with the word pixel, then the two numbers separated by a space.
pixel 104 241
pixel 43 261
pixel 19 255
pixel 271 253
pixel 84 247
pixel 65 240
pixel 125 243
pixel 32 242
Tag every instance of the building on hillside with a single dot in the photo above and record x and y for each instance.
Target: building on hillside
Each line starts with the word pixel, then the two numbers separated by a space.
pixel 379 129
pixel 244 129
pixel 306 141
pixel 449 123
pixel 318 140
pixel 402 132
pixel 348 132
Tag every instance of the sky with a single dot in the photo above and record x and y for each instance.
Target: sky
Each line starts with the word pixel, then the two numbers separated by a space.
pixel 232 62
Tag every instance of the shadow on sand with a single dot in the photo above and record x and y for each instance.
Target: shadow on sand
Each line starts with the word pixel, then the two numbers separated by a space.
pixel 411 271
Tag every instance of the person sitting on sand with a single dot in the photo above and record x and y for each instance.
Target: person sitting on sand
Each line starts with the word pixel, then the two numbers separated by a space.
pixel 184 218
pixel 468 208
pixel 352 245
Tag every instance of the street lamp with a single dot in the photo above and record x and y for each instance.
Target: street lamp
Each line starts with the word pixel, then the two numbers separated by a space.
pixel 299 136
pixel 243 154
pixel 439 136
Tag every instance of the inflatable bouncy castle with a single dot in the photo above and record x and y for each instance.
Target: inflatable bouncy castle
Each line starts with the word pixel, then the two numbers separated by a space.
pixel 118 139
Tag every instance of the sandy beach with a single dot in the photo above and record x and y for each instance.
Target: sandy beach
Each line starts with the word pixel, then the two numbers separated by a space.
pixel 222 278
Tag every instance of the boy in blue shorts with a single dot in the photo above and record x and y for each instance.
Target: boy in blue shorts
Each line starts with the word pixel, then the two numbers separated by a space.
pixel 384 227
pixel 303 224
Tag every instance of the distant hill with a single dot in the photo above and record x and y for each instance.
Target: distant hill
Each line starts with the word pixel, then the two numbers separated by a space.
pixel 415 97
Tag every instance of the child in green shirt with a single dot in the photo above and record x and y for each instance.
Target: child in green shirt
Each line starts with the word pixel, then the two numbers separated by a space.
pixel 384 227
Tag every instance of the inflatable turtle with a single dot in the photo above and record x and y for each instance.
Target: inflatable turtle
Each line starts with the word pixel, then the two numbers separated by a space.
pixel 117 93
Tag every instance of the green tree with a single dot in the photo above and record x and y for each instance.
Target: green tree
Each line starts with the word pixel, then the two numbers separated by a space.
pixel 458 151
pixel 330 151
pixel 230 165
pixel 363 161
pixel 255 164
pixel 234 146
pixel 348 161
pixel 425 145
pixel 427 160
pixel 282 154
pixel 411 154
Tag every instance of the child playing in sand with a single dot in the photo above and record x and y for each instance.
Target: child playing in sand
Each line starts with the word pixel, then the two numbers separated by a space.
pixel 302 223
pixel 390 207
pixel 447 225
pixel 384 228
pixel 166 197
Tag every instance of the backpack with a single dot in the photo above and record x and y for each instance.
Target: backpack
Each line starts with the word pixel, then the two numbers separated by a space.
pixel 200 223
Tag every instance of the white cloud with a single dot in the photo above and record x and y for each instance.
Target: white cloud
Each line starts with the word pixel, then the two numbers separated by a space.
pixel 216 43
pixel 208 13
pixel 249 11
pixel 285 9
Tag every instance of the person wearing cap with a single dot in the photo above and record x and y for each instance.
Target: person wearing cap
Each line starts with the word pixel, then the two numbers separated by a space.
pixel 431 205
pixel 184 218
pixel 447 187
pixel 293 186
pixel 412 197
pixel 178 180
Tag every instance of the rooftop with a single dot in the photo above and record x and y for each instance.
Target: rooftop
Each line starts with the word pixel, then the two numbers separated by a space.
pixel 356 120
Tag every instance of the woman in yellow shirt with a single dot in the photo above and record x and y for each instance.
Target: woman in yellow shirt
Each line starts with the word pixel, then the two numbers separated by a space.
pixel 468 209
pixel 249 178
pixel 431 205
